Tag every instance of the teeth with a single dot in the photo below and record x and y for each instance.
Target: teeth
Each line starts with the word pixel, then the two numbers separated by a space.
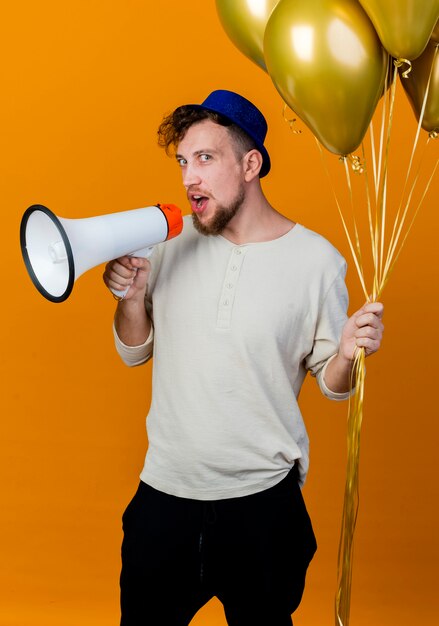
pixel 198 200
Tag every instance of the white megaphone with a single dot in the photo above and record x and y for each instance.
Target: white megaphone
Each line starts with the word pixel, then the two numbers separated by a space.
pixel 56 251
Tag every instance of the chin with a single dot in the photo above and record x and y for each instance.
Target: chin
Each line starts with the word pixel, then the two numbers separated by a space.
pixel 220 218
pixel 203 227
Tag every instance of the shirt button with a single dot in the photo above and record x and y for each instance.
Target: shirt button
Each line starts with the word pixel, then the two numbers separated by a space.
pixel 233 268
pixel 229 286
pixel 226 302
pixel 237 251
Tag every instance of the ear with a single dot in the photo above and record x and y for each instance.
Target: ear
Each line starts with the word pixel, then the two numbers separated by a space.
pixel 252 162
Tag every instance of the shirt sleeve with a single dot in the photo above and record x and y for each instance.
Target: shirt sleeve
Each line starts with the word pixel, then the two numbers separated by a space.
pixel 331 319
pixel 332 395
pixel 134 355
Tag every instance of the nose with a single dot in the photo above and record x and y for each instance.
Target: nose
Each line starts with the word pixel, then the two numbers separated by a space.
pixel 190 176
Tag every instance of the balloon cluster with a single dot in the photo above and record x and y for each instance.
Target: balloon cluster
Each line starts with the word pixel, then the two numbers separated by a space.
pixel 329 59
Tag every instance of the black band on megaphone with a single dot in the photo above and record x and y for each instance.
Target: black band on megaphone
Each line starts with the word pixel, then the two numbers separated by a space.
pixel 158 205
pixel 66 242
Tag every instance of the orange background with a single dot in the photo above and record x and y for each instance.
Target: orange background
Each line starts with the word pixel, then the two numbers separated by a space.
pixel 84 86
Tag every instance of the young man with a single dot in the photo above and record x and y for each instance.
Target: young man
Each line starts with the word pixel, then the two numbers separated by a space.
pixel 236 310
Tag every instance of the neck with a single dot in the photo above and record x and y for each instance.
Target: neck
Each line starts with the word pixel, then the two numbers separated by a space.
pixel 256 220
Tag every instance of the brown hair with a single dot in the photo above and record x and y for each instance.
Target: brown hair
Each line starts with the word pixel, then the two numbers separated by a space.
pixel 174 127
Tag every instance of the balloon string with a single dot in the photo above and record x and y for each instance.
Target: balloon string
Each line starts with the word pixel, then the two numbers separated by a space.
pixel 343 221
pixel 400 220
pixel 354 221
pixel 372 233
pixel 377 172
pixel 377 168
pixel 290 121
pixel 392 265
pixel 382 268
pixel 381 200
pixel 351 495
pixel 400 62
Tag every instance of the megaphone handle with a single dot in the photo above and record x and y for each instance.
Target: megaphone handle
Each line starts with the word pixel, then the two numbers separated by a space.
pixel 144 253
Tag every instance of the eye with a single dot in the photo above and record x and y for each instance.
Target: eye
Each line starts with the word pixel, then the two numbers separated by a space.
pixel 205 157
pixel 182 162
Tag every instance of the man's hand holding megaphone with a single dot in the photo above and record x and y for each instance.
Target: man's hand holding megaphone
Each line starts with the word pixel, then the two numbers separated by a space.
pixel 127 274
pixel 56 250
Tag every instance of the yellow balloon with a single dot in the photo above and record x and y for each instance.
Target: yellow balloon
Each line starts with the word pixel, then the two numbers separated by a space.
pixel 328 65
pixel 435 33
pixel 404 26
pixel 415 86
pixel 244 22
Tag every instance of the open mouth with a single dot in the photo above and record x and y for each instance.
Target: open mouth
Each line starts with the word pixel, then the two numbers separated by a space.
pixel 198 203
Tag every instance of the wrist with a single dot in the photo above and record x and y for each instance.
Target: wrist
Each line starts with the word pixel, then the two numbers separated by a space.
pixel 338 373
pixel 344 361
pixel 131 306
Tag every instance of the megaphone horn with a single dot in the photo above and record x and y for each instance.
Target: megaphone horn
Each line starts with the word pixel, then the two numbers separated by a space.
pixel 56 251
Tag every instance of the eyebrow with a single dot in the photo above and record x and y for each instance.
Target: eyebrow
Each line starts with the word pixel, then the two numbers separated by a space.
pixel 198 152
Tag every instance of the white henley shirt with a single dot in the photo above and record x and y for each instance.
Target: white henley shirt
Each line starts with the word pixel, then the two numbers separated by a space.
pixel 236 328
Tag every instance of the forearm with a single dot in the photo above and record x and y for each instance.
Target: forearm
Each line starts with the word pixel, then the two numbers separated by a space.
pixel 338 374
pixel 132 322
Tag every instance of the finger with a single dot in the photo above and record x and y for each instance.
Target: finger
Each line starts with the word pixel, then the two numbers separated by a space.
pixel 118 277
pixel 369 319
pixel 121 262
pixel 116 269
pixel 369 345
pixel 142 272
pixel 140 263
pixel 368 332
pixel 117 285
pixel 377 308
pixel 125 261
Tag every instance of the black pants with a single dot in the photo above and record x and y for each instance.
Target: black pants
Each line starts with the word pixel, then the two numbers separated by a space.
pixel 250 552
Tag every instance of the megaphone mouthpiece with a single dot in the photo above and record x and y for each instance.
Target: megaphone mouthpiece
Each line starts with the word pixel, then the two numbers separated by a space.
pixel 56 250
